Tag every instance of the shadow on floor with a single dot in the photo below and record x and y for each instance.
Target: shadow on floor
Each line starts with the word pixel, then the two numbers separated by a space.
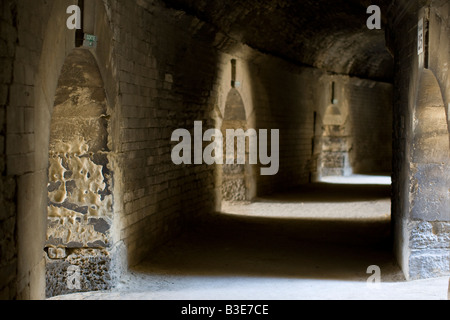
pixel 328 192
pixel 241 246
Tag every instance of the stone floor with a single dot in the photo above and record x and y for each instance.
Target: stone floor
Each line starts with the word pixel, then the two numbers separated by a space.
pixel 310 243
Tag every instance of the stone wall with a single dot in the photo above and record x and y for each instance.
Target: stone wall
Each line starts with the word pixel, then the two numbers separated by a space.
pixel 420 181
pixel 166 73
pixel 24 24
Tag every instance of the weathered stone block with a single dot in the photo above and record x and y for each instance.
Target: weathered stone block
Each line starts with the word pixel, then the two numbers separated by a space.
pixel 234 190
pixel 427 235
pixel 429 264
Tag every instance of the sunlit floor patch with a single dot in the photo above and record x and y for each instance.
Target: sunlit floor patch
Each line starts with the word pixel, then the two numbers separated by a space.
pixel 370 211
pixel 359 180
pixel 336 198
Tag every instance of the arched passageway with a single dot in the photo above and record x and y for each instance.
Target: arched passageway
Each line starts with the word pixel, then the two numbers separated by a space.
pixel 165 65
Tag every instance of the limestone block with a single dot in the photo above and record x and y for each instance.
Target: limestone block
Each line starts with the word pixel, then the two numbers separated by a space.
pixel 429 191
pixel 428 235
pixel 430 264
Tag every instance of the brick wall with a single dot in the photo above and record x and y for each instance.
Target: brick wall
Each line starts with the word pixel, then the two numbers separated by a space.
pixel 166 73
pixel 21 41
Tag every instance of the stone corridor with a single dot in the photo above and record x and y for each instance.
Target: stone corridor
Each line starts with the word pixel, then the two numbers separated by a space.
pixel 160 149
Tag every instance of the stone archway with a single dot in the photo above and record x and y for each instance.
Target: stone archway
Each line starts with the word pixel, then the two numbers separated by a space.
pixel 234 180
pixel 334 156
pixel 80 200
pixel 52 44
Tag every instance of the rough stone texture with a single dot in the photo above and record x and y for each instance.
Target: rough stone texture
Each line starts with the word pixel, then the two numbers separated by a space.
pixel 426 235
pixel 83 270
pixel 432 264
pixel 234 190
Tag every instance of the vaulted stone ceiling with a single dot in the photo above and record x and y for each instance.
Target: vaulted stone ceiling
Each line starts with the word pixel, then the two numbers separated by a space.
pixel 331 35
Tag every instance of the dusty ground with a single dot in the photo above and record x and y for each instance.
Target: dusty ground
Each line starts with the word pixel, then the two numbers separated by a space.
pixel 313 243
